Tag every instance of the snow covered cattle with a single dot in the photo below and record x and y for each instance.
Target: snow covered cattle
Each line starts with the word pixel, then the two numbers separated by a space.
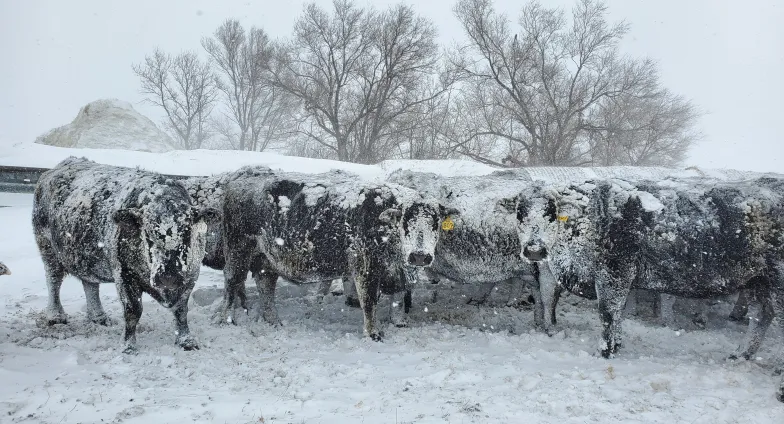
pixel 4 270
pixel 313 228
pixel 688 238
pixel 106 224
pixel 481 246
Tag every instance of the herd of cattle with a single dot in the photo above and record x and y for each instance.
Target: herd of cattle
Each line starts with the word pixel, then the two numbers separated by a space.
pixel 600 239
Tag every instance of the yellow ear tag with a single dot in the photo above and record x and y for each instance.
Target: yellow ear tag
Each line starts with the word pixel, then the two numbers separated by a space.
pixel 448 224
pixel 563 218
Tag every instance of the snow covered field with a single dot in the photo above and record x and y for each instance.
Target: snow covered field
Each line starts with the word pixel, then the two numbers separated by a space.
pixel 455 364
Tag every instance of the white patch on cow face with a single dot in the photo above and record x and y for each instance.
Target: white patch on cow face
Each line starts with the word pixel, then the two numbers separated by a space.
pixel 551 218
pixel 419 231
pixel 169 235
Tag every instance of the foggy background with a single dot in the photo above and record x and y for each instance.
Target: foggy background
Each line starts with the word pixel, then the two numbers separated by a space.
pixel 726 56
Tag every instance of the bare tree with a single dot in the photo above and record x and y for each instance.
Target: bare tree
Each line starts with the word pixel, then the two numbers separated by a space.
pixel 256 111
pixel 537 86
pixel 653 130
pixel 184 87
pixel 359 74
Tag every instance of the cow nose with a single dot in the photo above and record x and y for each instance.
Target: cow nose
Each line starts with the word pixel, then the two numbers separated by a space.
pixel 168 282
pixel 535 252
pixel 420 259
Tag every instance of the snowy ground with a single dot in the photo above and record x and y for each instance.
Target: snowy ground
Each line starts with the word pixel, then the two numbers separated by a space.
pixel 456 364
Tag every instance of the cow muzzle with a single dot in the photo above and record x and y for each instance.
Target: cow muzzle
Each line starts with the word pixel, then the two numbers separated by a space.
pixel 420 259
pixel 535 252
pixel 170 288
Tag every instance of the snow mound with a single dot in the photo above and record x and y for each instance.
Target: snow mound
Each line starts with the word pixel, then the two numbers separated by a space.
pixel 109 124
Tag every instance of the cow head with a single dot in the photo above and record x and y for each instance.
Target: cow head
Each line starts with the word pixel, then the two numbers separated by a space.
pixel 4 269
pixel 548 218
pixel 172 236
pixel 419 225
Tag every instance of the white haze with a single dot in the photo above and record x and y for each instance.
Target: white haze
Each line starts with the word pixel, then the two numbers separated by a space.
pixel 725 55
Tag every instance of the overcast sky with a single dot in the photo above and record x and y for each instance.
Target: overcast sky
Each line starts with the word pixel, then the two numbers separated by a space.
pixel 726 55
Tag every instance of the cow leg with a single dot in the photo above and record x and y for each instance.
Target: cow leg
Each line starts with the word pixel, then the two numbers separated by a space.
pixel 547 287
pixel 559 289
pixel 538 305
pixel 350 291
pixel 402 299
pixel 398 310
pixel 367 291
pixel 95 310
pixel 757 326
pixel 131 298
pixel 234 274
pixel 778 306
pixel 631 304
pixel 612 293
pixel 697 309
pixel 482 293
pixel 666 313
pixel 55 314
pixel 267 282
pixel 741 307
pixel 184 338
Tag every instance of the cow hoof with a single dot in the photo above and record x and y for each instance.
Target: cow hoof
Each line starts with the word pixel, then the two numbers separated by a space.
pixel 780 394
pixel 54 318
pixel 352 302
pixel 187 343
pixel 130 350
pixel 54 321
pixel 402 324
pixel 476 302
pixel 102 320
pixel 377 337
pixel 223 317
pixel 273 321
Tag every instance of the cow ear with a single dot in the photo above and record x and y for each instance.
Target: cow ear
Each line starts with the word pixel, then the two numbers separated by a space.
pixel 390 215
pixel 131 217
pixel 209 215
pixel 448 211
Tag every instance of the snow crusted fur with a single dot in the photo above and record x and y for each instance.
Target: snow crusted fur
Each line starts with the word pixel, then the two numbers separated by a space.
pixel 688 238
pixel 314 228
pixel 106 224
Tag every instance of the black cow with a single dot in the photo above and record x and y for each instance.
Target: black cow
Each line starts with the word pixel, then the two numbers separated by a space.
pixel 689 238
pixel 106 224
pixel 313 228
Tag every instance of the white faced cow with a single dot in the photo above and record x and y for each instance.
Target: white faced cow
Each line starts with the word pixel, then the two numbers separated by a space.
pixel 313 228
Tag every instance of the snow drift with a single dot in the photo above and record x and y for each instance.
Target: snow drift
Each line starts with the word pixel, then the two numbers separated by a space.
pixel 109 124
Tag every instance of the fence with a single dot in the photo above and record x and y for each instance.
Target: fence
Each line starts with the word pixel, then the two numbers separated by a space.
pixel 20 179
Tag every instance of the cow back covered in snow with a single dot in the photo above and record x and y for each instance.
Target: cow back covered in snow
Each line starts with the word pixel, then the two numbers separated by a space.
pixel 690 238
pixel 106 224
pixel 313 228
